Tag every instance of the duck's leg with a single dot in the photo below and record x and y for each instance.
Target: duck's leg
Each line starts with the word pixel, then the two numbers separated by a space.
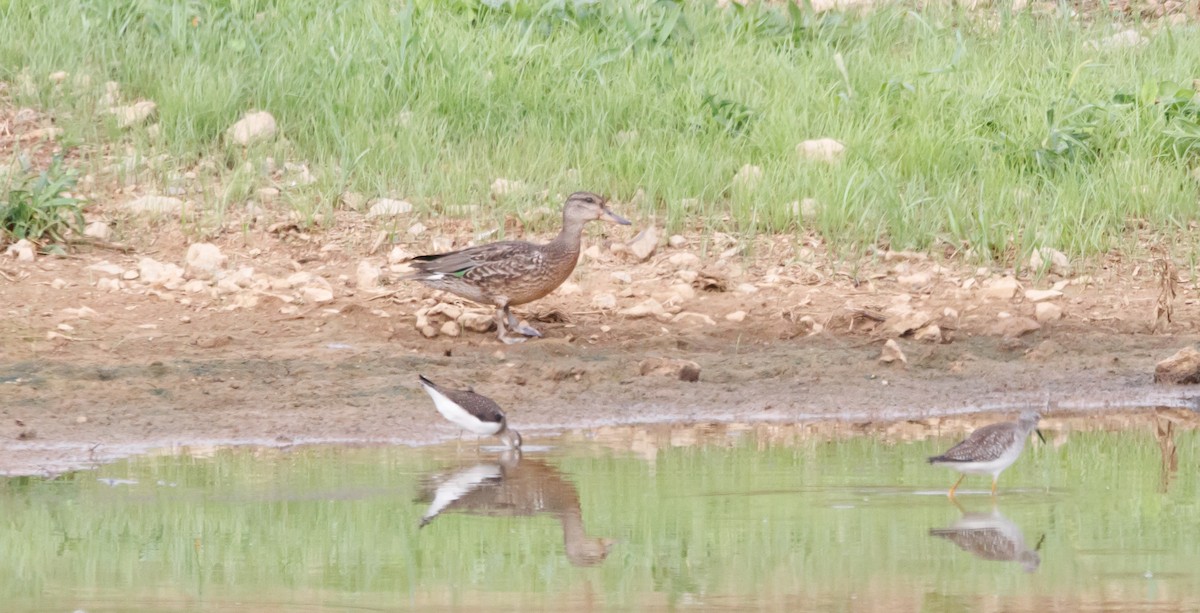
pixel 502 331
pixel 516 325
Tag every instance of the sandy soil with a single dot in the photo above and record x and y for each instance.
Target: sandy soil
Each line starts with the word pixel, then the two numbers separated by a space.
pixel 286 341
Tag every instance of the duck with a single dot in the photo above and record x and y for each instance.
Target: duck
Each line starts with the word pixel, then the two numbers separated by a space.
pixel 511 273
pixel 472 412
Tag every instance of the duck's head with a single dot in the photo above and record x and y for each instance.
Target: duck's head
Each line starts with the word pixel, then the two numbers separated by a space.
pixel 582 207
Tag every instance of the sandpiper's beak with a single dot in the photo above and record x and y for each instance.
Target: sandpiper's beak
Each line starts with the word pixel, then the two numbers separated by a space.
pixel 608 215
pixel 1039 433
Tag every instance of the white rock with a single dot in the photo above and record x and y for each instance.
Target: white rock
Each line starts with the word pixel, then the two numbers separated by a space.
pixel 398 255
pixel 112 94
pixel 416 229
pixel 916 279
pixel 950 313
pixel 821 149
pixel 99 230
pixel 297 279
pixel 692 318
pixel 157 273
pixel 353 201
pixel 389 207
pixel 1121 40
pixel 1060 264
pixel 645 308
pixel 316 294
pixel 807 209
pixel 204 260
pixel 736 316
pixel 746 288
pixel 195 286
pixel 58 284
pixel 82 312
pixel 621 276
pixel 251 128
pixel 683 260
pixel 58 76
pixel 130 275
pixel 108 284
pixel 1002 288
pixel 748 176
pixel 569 289
pixel 929 334
pixel 604 302
pixel 135 114
pixel 683 291
pixel 891 353
pixel 1047 311
pixel 155 204
pixel 451 328
pixel 22 250
pixel 476 322
pixel 1039 295
pixel 642 246
pixel 267 194
pixel 687 276
pixel 504 187
pixel 676 241
pixel 366 276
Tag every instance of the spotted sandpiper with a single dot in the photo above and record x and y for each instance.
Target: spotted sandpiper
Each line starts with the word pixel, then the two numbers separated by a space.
pixel 472 412
pixel 990 449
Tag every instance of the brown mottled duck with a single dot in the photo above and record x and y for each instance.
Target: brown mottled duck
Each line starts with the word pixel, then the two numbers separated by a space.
pixel 511 273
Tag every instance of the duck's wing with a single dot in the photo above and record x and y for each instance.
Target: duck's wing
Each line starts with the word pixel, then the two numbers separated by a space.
pixel 490 259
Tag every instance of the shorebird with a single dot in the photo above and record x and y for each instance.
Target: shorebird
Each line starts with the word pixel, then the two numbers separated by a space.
pixel 990 449
pixel 991 536
pixel 511 273
pixel 472 412
pixel 516 488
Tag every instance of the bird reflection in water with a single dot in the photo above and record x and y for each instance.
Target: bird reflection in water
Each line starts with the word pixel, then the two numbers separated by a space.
pixel 516 487
pixel 991 536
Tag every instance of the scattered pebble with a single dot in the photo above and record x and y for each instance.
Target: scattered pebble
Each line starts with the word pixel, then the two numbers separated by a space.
pixel 685 370
pixel 1047 312
pixel 388 207
pixel 1039 295
pixel 621 276
pixel 451 328
pixel 1002 288
pixel 642 246
pixel 604 302
pixel 1183 368
pixel 135 114
pixel 251 128
pixel 367 275
pixel 891 353
pixel 98 230
pixel 676 241
pixel 736 316
pixel 204 260
pixel 748 176
pixel 155 205
pixel 821 149
pixel 684 260
pixel 22 250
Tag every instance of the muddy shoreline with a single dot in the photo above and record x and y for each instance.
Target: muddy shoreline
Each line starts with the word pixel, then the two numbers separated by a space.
pixel 65 414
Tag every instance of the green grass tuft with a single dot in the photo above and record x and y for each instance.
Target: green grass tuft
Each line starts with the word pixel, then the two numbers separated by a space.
pixel 998 133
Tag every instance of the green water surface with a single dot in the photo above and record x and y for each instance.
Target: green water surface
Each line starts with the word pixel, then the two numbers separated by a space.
pixel 1091 524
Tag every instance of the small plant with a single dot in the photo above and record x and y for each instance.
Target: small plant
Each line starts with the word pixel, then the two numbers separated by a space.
pixel 33 207
pixel 731 115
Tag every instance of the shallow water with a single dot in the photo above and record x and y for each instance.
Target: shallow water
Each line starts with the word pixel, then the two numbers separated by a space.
pixel 670 519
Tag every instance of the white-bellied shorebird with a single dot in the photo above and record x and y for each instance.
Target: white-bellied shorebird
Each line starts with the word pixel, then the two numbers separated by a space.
pixel 472 412
pixel 990 449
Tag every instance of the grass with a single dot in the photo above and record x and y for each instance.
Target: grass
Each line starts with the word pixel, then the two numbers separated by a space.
pixel 32 206
pixel 991 132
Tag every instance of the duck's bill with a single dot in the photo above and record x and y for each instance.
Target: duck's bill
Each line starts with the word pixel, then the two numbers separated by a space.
pixel 1039 433
pixel 613 217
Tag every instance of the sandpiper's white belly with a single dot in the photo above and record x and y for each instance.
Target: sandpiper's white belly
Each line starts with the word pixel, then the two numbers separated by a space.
pixel 459 416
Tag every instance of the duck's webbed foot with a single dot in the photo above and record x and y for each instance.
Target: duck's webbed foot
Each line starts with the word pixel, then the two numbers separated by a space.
pixel 520 328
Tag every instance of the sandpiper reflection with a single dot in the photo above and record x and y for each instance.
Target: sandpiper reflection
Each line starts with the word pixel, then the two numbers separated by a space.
pixel 991 536
pixel 517 487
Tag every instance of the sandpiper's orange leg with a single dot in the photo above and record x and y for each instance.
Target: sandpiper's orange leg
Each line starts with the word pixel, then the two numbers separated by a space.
pixel 993 487
pixel 956 486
